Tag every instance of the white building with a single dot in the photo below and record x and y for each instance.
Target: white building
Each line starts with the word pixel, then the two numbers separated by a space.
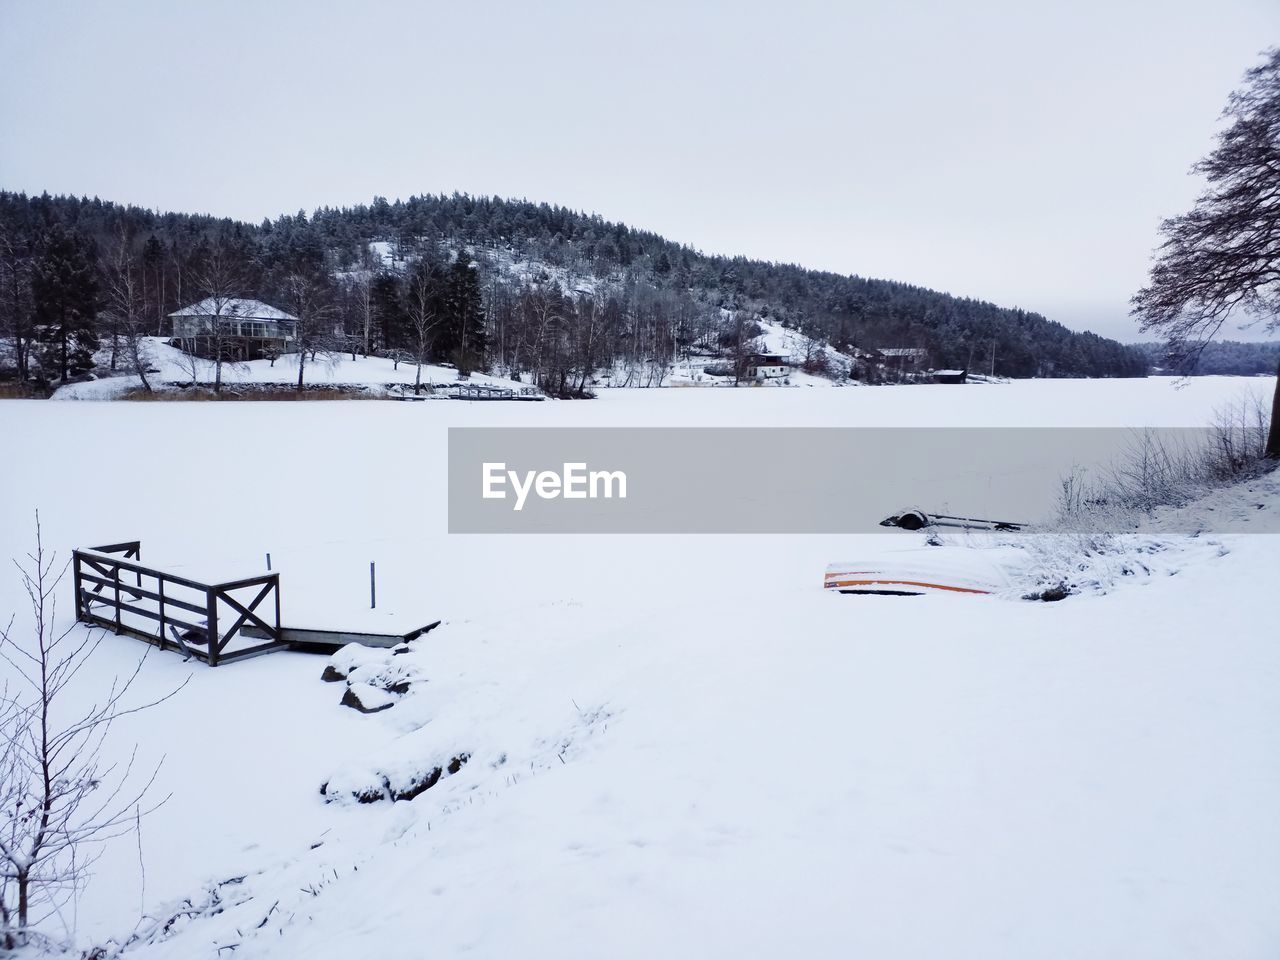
pixel 252 327
pixel 768 366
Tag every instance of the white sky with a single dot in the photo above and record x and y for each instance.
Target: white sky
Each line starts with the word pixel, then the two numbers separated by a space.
pixel 1021 152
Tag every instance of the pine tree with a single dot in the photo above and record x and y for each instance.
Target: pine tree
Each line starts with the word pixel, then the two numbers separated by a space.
pixel 16 322
pixel 64 292
pixel 153 266
pixel 466 335
pixel 388 310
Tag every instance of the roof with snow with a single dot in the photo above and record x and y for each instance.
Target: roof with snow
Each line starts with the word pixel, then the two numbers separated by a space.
pixel 903 351
pixel 233 308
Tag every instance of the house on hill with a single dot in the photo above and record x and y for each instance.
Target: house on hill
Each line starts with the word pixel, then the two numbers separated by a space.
pixel 767 366
pixel 250 329
pixel 756 366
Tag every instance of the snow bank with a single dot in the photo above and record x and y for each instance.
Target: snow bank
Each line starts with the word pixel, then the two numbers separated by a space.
pixel 678 746
pixel 172 366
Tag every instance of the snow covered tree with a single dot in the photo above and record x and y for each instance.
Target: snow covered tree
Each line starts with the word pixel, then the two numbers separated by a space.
pixel 1222 259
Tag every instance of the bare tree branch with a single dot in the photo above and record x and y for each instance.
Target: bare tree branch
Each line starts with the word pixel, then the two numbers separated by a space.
pixel 60 801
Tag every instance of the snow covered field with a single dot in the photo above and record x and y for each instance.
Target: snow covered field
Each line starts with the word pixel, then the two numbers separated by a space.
pixel 171 365
pixel 677 745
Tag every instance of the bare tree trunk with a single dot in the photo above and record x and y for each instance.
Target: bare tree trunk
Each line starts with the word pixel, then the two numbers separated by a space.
pixel 62 343
pixel 1273 435
pixel 126 293
pixel 366 316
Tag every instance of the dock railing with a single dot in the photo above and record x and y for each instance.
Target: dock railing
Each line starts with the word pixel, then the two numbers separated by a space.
pixel 115 591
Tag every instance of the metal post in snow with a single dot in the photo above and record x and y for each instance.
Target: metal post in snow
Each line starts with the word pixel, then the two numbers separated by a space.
pixel 373 588
pixel 268 563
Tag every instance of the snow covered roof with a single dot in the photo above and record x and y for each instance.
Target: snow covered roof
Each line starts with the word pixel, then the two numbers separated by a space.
pixel 233 307
pixel 903 351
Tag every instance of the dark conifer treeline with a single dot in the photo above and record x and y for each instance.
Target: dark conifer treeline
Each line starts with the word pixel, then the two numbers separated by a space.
pixel 1217 358
pixel 538 290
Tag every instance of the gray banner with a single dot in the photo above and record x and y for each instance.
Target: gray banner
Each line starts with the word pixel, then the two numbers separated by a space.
pixel 832 480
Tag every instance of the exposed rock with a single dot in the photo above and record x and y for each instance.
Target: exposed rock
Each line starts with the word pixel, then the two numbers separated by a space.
pixel 1051 594
pixel 360 796
pixel 367 699
pixel 383 790
pixel 420 785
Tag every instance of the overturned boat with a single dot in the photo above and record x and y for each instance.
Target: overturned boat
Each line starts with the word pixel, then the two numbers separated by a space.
pixel 917 519
pixel 907 573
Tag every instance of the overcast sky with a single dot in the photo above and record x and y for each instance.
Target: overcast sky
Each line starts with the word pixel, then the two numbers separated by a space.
pixel 1018 152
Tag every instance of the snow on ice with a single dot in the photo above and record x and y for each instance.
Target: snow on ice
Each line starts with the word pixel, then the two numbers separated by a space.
pixel 677 746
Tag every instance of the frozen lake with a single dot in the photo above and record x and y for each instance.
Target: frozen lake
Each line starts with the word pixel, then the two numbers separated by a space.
pixel 783 770
pixel 213 487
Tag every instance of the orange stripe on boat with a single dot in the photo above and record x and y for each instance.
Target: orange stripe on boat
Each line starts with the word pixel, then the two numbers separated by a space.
pixel 829 584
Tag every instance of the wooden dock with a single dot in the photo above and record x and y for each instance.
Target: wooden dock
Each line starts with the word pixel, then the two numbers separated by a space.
pixel 469 391
pixel 307 638
pixel 213 622
pixel 485 391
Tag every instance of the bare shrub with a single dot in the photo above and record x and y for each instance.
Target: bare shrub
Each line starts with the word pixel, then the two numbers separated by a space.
pixel 1090 539
pixel 1238 445
pixel 25 390
pixel 60 798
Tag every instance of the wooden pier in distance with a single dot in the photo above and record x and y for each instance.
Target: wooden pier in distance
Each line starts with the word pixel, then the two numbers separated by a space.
pixel 469 391
pixel 213 622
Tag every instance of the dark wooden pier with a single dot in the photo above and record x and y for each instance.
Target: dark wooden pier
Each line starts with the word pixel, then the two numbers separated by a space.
pixel 115 591
pixel 213 622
